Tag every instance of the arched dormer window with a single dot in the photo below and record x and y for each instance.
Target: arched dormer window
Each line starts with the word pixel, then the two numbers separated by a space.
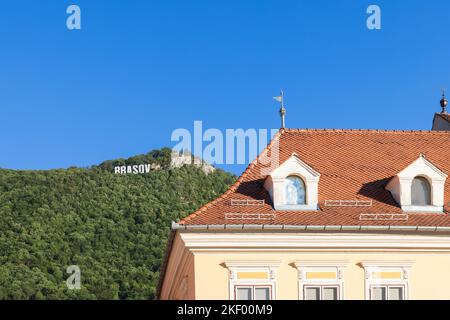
pixel 420 192
pixel 295 191
pixel 293 186
pixel 419 187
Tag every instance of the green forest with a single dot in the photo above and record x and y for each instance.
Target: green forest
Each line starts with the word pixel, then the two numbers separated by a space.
pixel 114 227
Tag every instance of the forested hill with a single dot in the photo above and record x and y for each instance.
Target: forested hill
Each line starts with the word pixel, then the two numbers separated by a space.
pixel 114 227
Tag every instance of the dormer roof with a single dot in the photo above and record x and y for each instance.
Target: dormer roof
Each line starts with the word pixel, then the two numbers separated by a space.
pixel 294 165
pixel 422 166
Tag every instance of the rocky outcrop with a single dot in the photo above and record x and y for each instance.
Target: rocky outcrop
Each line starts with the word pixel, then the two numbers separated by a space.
pixel 179 159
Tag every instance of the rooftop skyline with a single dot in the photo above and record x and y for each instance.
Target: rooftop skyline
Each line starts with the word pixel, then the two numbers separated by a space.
pixel 136 72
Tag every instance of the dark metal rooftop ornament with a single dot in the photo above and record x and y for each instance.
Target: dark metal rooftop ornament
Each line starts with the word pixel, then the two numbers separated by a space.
pixel 444 103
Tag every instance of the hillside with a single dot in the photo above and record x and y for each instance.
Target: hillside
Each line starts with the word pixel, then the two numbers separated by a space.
pixel 114 227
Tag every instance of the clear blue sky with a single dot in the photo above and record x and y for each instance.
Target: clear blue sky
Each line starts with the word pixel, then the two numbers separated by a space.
pixel 140 69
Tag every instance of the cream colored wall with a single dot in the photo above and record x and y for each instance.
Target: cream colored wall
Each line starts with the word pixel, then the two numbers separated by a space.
pixel 179 281
pixel 429 275
pixel 430 278
pixel 200 259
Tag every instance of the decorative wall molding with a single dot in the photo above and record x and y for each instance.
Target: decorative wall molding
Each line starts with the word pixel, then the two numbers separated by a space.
pixel 252 263
pixel 313 241
pixel 378 267
pixel 248 266
pixel 387 263
pixel 335 268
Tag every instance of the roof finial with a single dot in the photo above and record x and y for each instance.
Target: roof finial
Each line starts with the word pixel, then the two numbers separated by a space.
pixel 444 102
pixel 282 111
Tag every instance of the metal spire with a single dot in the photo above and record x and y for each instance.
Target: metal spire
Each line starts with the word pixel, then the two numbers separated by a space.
pixel 282 111
pixel 444 102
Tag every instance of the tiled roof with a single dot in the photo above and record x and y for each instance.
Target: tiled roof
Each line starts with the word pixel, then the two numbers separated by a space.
pixel 354 165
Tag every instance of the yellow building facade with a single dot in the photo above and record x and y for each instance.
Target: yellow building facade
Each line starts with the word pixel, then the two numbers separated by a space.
pixel 310 265
pixel 368 220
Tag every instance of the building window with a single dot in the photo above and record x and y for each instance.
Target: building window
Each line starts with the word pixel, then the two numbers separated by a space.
pixel 320 280
pixel 252 280
pixel 387 292
pixel 321 293
pixel 253 292
pixel 295 191
pixel 420 192
pixel 387 280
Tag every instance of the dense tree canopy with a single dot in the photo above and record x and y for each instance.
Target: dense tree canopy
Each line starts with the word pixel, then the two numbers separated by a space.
pixel 114 227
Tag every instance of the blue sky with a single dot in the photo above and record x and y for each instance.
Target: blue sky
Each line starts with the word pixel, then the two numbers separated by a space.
pixel 137 70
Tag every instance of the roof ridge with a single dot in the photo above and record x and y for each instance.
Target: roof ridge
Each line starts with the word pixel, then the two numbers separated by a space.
pixel 235 185
pixel 289 130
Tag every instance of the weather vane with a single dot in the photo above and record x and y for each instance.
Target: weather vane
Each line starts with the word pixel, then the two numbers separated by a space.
pixel 280 99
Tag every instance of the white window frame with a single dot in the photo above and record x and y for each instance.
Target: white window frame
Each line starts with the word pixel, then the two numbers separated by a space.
pixel 253 287
pixel 387 286
pixel 321 287
pixel 269 267
pixel 304 267
pixel 429 191
pixel 371 267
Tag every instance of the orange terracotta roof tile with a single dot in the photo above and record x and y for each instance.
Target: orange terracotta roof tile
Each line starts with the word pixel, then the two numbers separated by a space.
pixel 354 165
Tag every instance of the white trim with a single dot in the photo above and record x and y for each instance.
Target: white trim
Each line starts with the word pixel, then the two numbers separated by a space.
pixel 389 286
pixel 253 287
pixel 252 264
pixel 304 241
pixel 305 267
pixel 321 288
pixel 268 266
pixel 387 263
pixel 423 209
pixel 294 159
pixel 320 263
pixel 401 266
pixel 297 207
pixel 429 164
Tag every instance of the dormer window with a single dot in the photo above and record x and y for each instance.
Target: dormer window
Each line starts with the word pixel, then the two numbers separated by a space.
pixel 295 191
pixel 420 192
pixel 419 187
pixel 293 186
